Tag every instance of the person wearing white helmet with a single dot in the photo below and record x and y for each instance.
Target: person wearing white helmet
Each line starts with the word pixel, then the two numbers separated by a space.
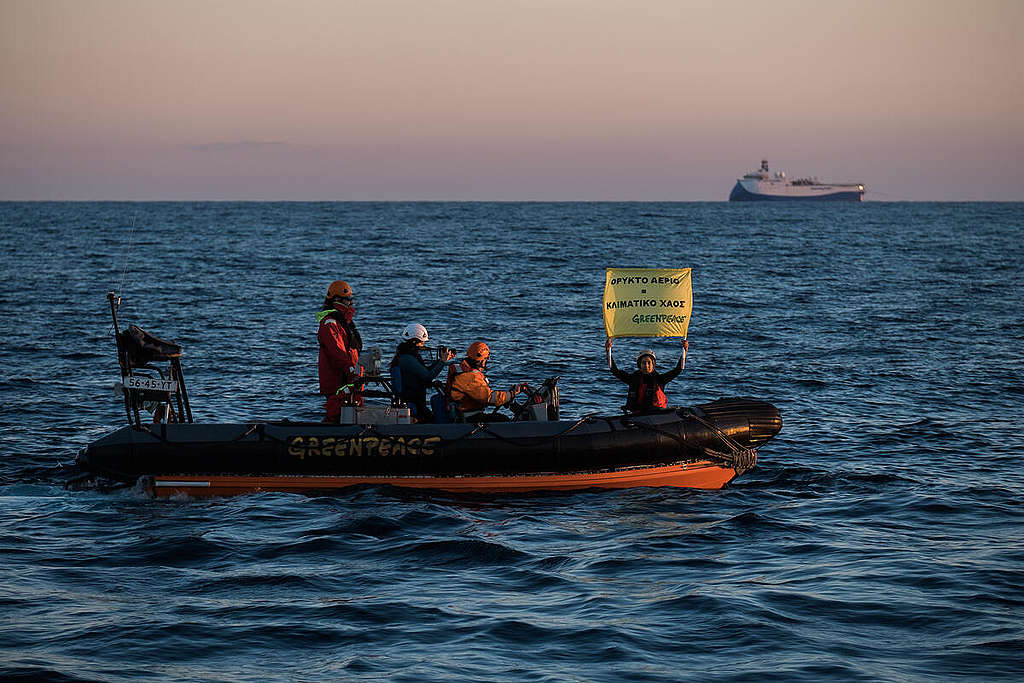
pixel 416 375
pixel 646 386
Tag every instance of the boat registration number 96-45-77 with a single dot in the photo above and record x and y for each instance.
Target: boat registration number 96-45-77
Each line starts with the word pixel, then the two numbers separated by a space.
pixel 150 383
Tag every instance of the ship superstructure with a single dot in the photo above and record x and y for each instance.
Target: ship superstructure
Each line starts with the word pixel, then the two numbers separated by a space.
pixel 763 185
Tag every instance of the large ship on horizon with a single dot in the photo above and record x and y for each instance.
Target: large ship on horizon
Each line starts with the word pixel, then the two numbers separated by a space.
pixel 762 185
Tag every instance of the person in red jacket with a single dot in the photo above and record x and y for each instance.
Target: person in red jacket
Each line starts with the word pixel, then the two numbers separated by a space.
pixel 340 345
pixel 646 386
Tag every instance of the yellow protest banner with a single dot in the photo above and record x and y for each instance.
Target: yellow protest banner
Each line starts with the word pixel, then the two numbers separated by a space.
pixel 647 302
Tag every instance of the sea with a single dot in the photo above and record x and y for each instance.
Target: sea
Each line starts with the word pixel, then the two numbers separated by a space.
pixel 879 538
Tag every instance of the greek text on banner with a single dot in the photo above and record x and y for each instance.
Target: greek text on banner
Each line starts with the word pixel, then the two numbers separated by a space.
pixel 647 302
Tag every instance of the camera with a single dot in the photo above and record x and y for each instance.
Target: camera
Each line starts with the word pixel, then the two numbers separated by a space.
pixel 443 351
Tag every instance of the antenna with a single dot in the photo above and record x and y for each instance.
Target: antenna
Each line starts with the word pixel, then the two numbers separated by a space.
pixel 124 273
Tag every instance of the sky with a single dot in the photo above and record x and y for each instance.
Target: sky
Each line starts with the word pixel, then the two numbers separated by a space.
pixel 575 100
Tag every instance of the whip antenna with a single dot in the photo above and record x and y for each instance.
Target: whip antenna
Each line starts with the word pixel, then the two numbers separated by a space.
pixel 124 273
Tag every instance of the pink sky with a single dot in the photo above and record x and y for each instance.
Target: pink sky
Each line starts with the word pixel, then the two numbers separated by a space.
pixel 507 100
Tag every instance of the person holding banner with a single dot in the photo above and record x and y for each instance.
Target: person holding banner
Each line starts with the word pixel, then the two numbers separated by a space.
pixel 646 386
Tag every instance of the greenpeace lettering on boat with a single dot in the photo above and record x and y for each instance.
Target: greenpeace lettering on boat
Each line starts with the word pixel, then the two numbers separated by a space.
pixel 647 302
pixel 304 447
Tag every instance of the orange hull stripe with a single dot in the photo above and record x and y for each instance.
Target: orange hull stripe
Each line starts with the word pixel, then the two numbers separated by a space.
pixel 692 475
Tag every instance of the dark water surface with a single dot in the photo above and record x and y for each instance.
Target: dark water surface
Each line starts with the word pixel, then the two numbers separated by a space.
pixel 879 538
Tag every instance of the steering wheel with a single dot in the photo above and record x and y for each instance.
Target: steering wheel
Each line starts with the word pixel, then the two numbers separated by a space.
pixel 518 409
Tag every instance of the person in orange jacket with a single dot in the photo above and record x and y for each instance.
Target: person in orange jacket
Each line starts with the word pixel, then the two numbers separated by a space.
pixel 469 390
pixel 340 345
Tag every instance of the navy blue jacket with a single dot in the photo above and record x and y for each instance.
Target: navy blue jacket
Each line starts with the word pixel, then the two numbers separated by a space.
pixel 416 378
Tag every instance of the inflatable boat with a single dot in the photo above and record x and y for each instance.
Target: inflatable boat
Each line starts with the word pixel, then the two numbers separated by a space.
pixel 704 446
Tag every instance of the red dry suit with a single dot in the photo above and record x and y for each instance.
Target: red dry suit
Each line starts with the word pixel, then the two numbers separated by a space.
pixel 338 362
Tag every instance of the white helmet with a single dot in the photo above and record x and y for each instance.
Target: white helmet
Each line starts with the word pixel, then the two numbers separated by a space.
pixel 415 331
pixel 646 352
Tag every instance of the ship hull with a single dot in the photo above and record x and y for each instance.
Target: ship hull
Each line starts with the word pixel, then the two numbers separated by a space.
pixel 742 194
